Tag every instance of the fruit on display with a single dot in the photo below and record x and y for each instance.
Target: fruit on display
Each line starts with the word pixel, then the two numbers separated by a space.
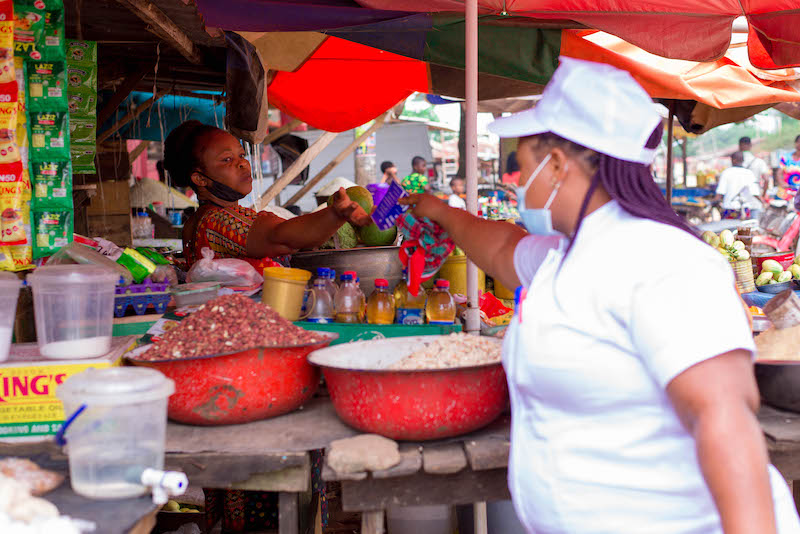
pixel 727 245
pixel 772 272
pixel 349 237
pixel 373 237
pixel 359 195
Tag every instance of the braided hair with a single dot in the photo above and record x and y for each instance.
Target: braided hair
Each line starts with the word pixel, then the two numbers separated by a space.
pixel 181 157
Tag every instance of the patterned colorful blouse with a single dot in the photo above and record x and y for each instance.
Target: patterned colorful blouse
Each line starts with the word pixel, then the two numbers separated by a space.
pixel 415 183
pixel 791 171
pixel 224 230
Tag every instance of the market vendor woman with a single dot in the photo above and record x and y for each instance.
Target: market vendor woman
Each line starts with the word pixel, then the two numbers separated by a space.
pixel 629 361
pixel 212 162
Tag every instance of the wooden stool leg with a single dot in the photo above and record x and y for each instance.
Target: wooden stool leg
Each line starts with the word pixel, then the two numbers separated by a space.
pixel 481 521
pixel 372 522
pixel 288 517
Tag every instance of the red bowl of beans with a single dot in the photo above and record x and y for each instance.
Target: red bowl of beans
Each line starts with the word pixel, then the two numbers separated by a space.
pixel 243 386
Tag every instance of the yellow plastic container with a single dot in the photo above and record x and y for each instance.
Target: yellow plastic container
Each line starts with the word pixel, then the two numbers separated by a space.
pixel 502 292
pixel 284 289
pixel 454 270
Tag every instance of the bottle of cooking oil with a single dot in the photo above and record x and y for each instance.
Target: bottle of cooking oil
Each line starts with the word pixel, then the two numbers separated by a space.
pixel 348 301
pixel 440 308
pixel 380 307
pixel 409 309
pixel 362 308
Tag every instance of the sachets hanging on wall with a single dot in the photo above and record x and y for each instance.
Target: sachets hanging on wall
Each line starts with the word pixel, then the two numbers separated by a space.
pixel 82 82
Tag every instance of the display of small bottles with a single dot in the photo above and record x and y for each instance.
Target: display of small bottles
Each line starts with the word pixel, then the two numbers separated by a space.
pixel 380 307
pixel 440 307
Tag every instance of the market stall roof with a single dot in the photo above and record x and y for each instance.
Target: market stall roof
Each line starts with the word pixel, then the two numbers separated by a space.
pixel 703 27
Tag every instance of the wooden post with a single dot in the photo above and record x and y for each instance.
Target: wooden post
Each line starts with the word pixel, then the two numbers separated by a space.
pixel 121 94
pixel 288 514
pixel 165 28
pixel 670 140
pixel 337 160
pixel 136 152
pixel 277 133
pixel 295 169
pixel 480 518
pixel 131 116
pixel 372 522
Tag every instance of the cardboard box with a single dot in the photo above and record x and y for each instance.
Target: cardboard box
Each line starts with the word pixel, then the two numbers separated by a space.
pixel 29 408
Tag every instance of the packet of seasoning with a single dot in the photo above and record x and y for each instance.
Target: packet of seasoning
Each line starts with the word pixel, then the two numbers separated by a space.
pixel 52 229
pixel 49 133
pixel 83 158
pixel 82 131
pixel 12 223
pixel 81 51
pixel 82 74
pixel 29 21
pixel 52 184
pixel 47 85
pixel 53 48
pixel 83 102
pixel 7 26
pixel 9 109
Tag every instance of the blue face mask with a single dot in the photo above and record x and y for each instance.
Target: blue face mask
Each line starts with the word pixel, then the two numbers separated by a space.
pixel 537 221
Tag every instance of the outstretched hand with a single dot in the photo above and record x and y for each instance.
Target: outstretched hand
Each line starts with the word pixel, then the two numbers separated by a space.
pixel 349 209
pixel 424 205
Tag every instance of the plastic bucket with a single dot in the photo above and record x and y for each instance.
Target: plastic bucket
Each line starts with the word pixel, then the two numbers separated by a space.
pixel 115 429
pixel 454 270
pixel 74 309
pixel 502 292
pixel 9 291
pixel 284 290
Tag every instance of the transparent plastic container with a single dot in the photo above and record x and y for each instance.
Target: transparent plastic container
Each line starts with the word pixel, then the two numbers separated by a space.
pixel 194 294
pixel 380 307
pixel 348 301
pixel 74 309
pixel 9 291
pixel 120 432
pixel 333 287
pixel 408 308
pixel 440 308
pixel 323 303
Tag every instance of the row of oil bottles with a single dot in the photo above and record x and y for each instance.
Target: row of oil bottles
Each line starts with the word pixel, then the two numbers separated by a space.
pixel 345 302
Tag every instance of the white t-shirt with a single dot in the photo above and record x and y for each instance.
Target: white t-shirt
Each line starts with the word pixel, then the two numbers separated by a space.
pixel 738 187
pixel 758 166
pixel 597 446
pixel 456 201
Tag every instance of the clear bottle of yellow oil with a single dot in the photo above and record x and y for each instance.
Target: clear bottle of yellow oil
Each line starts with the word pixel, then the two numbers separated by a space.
pixel 440 308
pixel 408 308
pixel 380 306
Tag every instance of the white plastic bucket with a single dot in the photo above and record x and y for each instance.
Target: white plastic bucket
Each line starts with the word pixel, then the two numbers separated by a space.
pixel 115 429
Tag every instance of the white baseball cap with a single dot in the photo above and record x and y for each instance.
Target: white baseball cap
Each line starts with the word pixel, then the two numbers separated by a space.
pixel 594 105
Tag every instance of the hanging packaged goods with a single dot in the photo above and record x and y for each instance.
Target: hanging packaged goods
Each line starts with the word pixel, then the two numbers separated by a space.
pixel 82 89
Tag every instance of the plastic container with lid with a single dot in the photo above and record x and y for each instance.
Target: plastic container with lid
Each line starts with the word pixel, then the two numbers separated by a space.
pixel 9 291
pixel 74 310
pixel 115 429
pixel 195 293
pixel 380 307
pixel 348 301
pixel 440 307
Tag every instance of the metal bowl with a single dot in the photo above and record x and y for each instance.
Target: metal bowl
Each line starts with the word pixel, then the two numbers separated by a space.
pixel 776 288
pixel 370 263
pixel 414 405
pixel 779 383
pixel 240 387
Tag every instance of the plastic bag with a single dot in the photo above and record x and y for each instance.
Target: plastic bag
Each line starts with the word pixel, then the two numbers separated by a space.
pixel 227 271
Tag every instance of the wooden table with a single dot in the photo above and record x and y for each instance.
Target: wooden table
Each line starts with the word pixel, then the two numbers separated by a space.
pixel 782 430
pixel 471 469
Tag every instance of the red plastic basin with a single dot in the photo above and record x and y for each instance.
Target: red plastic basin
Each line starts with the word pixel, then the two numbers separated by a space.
pixel 784 258
pixel 409 405
pixel 240 387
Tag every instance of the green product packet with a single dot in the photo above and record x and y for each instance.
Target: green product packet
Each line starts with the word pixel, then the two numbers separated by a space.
pixel 81 51
pixel 47 85
pixel 54 47
pixel 152 255
pixel 83 158
pixel 52 184
pixel 82 131
pixel 82 102
pixel 29 23
pixel 52 229
pixel 82 74
pixel 49 133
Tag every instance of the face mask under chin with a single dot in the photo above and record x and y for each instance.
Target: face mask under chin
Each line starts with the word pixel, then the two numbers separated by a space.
pixel 222 191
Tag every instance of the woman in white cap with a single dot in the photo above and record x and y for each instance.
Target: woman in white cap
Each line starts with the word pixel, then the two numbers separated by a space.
pixel 633 409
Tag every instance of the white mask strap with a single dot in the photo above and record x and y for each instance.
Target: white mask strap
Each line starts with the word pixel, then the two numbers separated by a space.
pixel 555 190
pixel 534 174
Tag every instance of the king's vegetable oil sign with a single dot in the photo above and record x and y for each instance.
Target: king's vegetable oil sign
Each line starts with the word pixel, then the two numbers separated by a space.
pixel 28 402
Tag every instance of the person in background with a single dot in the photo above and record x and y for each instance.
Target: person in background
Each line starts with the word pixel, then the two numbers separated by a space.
pixel 738 188
pixel 389 171
pixel 417 182
pixel 511 176
pixel 790 166
pixel 459 186
pixel 756 165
